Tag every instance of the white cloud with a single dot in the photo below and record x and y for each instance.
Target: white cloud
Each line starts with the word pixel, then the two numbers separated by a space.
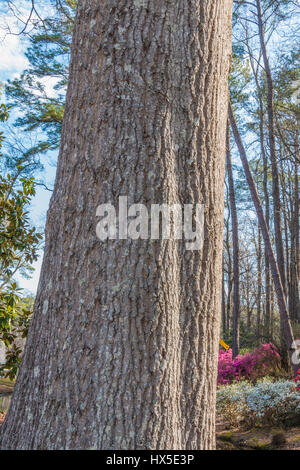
pixel 13 21
pixel 12 46
pixel 12 55
pixel 49 84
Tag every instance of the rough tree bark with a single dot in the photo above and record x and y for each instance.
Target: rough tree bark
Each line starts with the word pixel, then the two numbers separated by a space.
pixel 281 300
pixel 122 349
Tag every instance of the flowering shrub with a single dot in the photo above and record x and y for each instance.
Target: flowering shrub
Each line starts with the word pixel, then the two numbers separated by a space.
pixel 267 402
pixel 261 362
pixel 231 402
pixel 297 380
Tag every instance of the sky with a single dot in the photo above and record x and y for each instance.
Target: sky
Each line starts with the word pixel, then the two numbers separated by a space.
pixel 12 63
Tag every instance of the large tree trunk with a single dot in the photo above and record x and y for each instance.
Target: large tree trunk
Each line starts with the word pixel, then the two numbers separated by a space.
pixel 281 300
pixel 236 253
pixel 122 350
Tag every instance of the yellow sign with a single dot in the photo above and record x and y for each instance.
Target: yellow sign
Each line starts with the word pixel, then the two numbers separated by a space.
pixel 222 343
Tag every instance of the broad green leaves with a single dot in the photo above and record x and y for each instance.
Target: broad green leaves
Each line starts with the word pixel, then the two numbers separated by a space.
pixel 19 243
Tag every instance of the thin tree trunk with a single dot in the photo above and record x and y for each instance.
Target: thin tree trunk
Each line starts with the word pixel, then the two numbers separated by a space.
pixel 223 302
pixel 273 306
pixel 284 314
pixel 122 350
pixel 236 261
pixel 294 302
pixel 229 275
pixel 275 173
pixel 267 218
pixel 259 287
pixel 229 302
pixel 285 185
pixel 248 306
pixel 274 163
pixel 284 211
pixel 267 311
